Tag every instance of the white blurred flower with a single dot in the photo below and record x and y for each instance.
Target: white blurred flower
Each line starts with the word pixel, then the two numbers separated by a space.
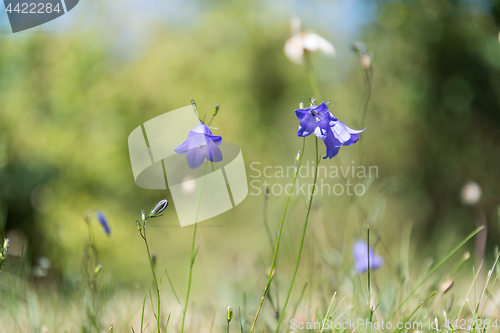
pixel 188 185
pixel 302 42
pixel 471 193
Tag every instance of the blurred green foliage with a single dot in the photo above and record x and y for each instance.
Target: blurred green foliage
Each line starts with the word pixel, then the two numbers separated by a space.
pixel 69 101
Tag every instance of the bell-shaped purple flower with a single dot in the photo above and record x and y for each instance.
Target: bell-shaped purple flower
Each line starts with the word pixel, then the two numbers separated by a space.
pixel 200 144
pixel 360 254
pixel 104 222
pixel 315 119
pixel 339 135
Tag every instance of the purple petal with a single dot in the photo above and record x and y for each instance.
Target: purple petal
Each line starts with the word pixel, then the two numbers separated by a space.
pixel 104 223
pixel 350 130
pixel 322 108
pixel 360 254
pixel 332 145
pixel 217 139
pixel 201 128
pixel 354 138
pixel 215 155
pixel 193 140
pixel 340 132
pixel 331 151
pixel 306 127
pixel 302 113
pixel 196 156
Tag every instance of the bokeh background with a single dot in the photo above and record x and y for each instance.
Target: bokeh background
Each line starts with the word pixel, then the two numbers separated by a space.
pixel 72 90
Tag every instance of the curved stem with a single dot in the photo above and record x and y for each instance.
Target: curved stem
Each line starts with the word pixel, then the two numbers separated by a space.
pixel 368 78
pixel 302 240
pixel 279 237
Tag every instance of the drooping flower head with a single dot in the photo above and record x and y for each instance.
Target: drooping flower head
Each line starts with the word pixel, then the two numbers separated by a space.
pixel 104 222
pixel 360 255
pixel 315 119
pixel 160 207
pixel 200 144
pixel 340 135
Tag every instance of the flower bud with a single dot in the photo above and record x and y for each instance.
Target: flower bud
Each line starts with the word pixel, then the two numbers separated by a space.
pixel 445 286
pixel 301 105
pixel 139 226
pixel 160 207
pixel 297 159
pixel 216 110
pixel 229 313
pixel 359 48
pixel 143 216
pixel 6 245
pixel 313 101
pixel 1 256
pixel 97 269
pixel 366 61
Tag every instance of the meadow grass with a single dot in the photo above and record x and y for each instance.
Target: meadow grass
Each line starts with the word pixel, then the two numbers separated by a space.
pixel 410 294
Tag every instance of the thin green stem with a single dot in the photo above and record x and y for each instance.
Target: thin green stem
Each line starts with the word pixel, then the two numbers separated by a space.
pixel 312 76
pixel 368 78
pixel 369 275
pixel 190 278
pixel 92 276
pixel 191 264
pixel 279 237
pixel 302 240
pixel 328 311
pixel 156 281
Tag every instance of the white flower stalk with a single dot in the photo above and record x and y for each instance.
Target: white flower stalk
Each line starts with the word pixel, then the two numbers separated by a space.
pixel 301 42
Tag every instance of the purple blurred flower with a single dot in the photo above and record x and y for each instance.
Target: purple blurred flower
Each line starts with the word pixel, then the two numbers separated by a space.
pixel 200 144
pixel 315 119
pixel 339 135
pixel 104 222
pixel 360 254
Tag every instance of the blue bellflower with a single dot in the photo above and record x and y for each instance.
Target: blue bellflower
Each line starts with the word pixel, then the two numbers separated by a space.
pixel 340 135
pixel 360 254
pixel 315 119
pixel 104 222
pixel 200 144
